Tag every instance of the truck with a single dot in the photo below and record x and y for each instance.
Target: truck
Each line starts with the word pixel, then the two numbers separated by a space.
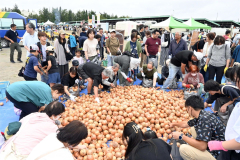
pixel 8 18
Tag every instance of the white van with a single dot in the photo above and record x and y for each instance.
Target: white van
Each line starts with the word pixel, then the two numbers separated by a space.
pixel 127 26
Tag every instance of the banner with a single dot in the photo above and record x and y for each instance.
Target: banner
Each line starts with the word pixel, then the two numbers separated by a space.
pixel 89 21
pixel 93 21
pixel 98 18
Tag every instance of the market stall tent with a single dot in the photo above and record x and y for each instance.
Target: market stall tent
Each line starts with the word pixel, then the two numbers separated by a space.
pixel 171 23
pixel 48 23
pixel 196 25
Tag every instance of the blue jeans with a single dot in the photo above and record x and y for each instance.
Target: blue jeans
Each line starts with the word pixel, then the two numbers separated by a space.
pixel 110 60
pixel 73 50
pixel 173 70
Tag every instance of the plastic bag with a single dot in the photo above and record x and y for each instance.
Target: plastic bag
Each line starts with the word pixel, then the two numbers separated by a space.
pixel 147 83
pixel 175 151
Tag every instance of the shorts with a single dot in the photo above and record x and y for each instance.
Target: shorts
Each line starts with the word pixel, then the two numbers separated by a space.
pixel 54 78
pixel 81 72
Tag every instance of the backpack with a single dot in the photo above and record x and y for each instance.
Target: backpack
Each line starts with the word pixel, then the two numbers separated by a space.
pixel 127 53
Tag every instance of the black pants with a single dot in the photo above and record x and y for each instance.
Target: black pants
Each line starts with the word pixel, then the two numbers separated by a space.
pixel 26 107
pixel 29 78
pixel 229 155
pixel 219 71
pixel 102 53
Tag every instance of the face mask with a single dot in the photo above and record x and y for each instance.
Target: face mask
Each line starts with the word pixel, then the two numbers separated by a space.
pixel 219 46
pixel 193 74
pixel 149 69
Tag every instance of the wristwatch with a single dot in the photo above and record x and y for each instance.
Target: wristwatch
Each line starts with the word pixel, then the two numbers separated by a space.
pixel 181 135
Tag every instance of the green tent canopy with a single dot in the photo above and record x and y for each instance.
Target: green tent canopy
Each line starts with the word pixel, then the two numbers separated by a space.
pixel 196 25
pixel 171 23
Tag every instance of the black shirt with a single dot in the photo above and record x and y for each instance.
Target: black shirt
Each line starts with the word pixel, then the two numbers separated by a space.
pixel 208 127
pixel 228 92
pixel 198 45
pixel 54 67
pixel 12 35
pixel 142 35
pixel 182 57
pixel 146 151
pixel 67 80
pixel 94 71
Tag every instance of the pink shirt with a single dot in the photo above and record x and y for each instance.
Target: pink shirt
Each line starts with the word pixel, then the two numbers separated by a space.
pixel 194 80
pixel 36 129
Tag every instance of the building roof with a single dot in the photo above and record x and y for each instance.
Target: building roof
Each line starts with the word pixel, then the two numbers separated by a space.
pixel 156 18
pixel 204 20
pixel 227 23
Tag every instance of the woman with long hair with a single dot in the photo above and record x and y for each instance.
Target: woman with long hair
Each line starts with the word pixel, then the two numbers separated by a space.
pixel 61 48
pixel 138 149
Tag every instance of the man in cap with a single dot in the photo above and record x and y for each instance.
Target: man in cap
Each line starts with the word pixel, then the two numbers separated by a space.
pixel 180 63
pixel 166 39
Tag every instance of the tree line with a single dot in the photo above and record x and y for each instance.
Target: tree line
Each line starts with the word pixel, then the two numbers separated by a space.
pixel 63 15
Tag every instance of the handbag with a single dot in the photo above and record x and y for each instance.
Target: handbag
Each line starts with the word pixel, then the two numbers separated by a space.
pixel 147 83
pixel 68 55
pixel 21 71
pixel 189 92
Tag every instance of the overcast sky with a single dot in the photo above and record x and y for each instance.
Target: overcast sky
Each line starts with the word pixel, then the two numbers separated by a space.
pixel 225 9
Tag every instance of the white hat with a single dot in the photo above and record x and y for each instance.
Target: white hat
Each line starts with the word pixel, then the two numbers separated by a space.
pixel 50 48
pixel 33 48
pixel 113 30
pixel 199 55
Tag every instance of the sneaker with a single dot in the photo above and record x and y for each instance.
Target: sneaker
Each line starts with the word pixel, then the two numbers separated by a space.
pixel 12 61
pixel 19 60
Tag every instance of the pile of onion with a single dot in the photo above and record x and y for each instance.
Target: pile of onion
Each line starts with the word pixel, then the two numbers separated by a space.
pixel 105 120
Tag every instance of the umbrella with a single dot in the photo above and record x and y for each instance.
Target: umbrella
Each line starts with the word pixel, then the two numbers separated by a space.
pixel 196 25
pixel 171 23
pixel 48 23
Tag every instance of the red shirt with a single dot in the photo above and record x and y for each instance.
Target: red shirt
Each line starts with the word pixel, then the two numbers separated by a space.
pixel 152 45
pixel 194 80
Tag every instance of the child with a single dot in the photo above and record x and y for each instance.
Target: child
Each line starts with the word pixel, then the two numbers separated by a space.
pixel 52 67
pixel 149 134
pixel 32 64
pixel 42 45
pixel 78 57
pixel 228 80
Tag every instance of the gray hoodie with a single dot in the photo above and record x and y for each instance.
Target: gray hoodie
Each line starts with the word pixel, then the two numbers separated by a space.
pixel 219 56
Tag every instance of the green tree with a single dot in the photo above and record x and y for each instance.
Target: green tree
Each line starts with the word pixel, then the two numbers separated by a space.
pixel 15 9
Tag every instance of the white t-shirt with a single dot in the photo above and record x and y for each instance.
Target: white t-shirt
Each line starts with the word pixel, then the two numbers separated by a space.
pixel 44 47
pixel 80 59
pixel 48 144
pixel 30 40
pixel 233 126
pixel 91 47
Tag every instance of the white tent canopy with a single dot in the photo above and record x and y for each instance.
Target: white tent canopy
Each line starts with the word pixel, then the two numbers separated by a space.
pixel 60 23
pixel 162 24
pixel 48 23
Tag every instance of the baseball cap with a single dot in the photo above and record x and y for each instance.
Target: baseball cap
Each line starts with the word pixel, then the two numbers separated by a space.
pixel 34 48
pixel 75 63
pixel 50 48
pixel 62 32
pixel 113 30
pixel 199 55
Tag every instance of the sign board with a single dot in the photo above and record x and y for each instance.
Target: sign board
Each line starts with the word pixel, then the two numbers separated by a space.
pixel 98 18
pixel 93 21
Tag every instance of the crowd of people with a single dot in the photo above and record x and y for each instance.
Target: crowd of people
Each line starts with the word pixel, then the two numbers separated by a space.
pixel 145 52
